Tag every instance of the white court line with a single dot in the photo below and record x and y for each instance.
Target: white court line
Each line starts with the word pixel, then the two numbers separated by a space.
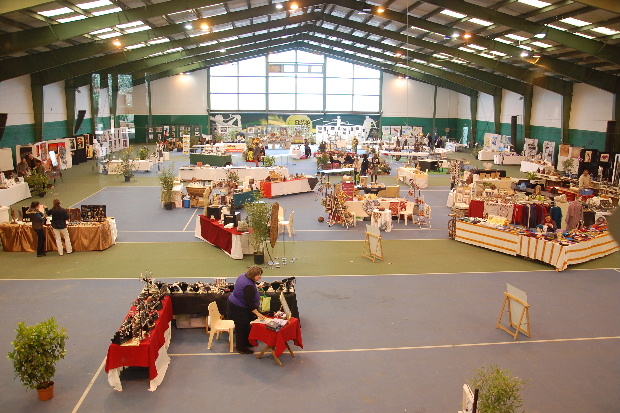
pixel 90 385
pixel 190 220
pixel 94 193
pixel 354 350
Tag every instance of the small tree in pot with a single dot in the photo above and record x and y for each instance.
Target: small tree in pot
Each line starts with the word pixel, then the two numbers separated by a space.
pixel 258 213
pixel 127 165
pixel 37 349
pixel 166 180
pixel 498 390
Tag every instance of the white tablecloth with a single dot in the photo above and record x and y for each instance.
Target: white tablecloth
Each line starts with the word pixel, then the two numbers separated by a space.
pixel 381 219
pixel 231 146
pixel 114 167
pixel 527 166
pixel 485 155
pixel 489 238
pixel 406 174
pixel 508 159
pixel 5 215
pixel 296 153
pixel 14 194
pixel 294 186
pixel 207 173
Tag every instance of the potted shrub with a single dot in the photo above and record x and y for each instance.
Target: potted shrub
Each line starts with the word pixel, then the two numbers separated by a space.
pixel 498 390
pixel 166 180
pixel 37 349
pixel 37 183
pixel 127 167
pixel 259 214
pixel 269 160
pixel 144 153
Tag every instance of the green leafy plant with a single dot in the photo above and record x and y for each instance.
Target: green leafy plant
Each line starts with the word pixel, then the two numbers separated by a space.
pixel 166 180
pixel 37 183
pixel 269 160
pixel 127 166
pixel 499 390
pixel 259 214
pixel 144 153
pixel 36 351
pixel 322 159
pixel 532 176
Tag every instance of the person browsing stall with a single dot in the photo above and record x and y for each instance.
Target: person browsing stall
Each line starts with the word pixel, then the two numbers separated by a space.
pixel 243 305
pixel 548 224
pixel 37 217
pixel 60 216
pixel 23 169
pixel 585 180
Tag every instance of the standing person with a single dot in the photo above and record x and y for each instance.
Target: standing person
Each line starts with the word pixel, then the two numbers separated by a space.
pixel 357 164
pixel 257 154
pixel 60 216
pixel 374 168
pixel 243 305
pixel 365 165
pixel 37 217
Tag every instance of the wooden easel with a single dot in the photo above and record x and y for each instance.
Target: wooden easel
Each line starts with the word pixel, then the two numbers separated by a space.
pixel 524 317
pixel 374 244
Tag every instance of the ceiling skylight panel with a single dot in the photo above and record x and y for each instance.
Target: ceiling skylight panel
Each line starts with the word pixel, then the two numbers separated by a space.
pixel 55 12
pixel 107 29
pixel 516 37
pixel 131 24
pixel 108 35
pixel 158 41
pixel 585 35
pixel 604 30
pixel 94 4
pixel 499 39
pixel 575 22
pixel 137 29
pixel 480 22
pixel 535 3
pixel 72 18
pixel 451 13
pixel 541 44
pixel 135 46
pixel 465 49
pixel 108 11
pixel 475 46
pixel 495 52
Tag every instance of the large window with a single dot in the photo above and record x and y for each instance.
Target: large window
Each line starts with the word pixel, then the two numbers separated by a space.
pixel 295 81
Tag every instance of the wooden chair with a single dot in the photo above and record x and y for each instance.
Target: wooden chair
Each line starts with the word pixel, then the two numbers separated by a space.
pixel 289 225
pixel 216 325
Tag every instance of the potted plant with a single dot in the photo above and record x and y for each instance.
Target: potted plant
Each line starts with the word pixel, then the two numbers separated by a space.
pixel 269 160
pixel 322 161
pixel 166 180
pixel 498 390
pixel 127 167
pixel 37 349
pixel 144 153
pixel 37 183
pixel 258 216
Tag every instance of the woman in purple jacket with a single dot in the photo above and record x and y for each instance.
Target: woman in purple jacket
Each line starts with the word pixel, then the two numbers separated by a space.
pixel 243 307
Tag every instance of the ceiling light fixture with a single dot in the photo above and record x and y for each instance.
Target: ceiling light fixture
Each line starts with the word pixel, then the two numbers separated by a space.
pixel 294 6
pixel 204 27
pixel 279 6
pixel 380 9
pixel 116 42
pixel 540 35
pixel 467 36
pixel 524 54
pixel 189 26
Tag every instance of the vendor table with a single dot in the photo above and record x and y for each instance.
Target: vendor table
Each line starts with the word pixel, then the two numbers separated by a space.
pixel 428 164
pixel 213 160
pixel 239 199
pixel 114 166
pixel 296 152
pixel 550 252
pixel 371 189
pixel 207 173
pixel 152 352
pixel 231 146
pixel 229 240
pixel 534 167
pixel 330 172
pixel 292 186
pixel 14 194
pixel 407 174
pixel 391 204
pixel 381 219
pixel 485 155
pixel 92 236
pixel 277 341
pixel 508 159
pixel 501 172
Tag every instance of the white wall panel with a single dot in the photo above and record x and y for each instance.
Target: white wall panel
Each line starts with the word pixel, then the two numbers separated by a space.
pixel 512 105
pixel 104 103
pixel 82 100
pixel 591 108
pixel 181 94
pixel 405 95
pixel 546 108
pixel 464 107
pixel 16 100
pixel 485 108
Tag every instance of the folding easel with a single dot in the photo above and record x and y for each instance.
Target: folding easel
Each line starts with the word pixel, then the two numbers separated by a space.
pixel 524 318
pixel 374 244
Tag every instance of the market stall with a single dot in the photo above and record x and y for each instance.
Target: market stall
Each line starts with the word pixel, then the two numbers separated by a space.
pixel 506 158
pixel 288 187
pixel 114 167
pixel 229 240
pixel 14 193
pixel 151 352
pixel 407 174
pixel 85 236
pixel 213 160
pixel 207 173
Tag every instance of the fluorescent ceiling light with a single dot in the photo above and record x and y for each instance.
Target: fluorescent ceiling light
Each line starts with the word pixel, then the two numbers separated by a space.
pixel 135 46
pixel 535 3
pixel 499 39
pixel 480 22
pixel 108 11
pixel 137 29
pixel 604 30
pixel 417 28
pixel 465 49
pixel 160 40
pixel 585 35
pixel 422 62
pixel 453 14
pixel 94 4
pixel 555 27
pixel 108 35
pixel 434 65
pixel 55 12
pixel 132 24
pixel 540 35
pixel 497 53
pixel 522 46
pixel 489 56
pixel 541 44
pixel 176 49
pixel 575 22
pixel 475 46
pixel 516 37
pixel 71 19
pixel 107 29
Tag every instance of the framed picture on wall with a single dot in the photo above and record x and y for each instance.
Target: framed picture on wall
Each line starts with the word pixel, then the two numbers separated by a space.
pixel 604 157
pixel 80 142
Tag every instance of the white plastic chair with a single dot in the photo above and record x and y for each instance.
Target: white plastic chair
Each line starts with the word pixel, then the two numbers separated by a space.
pixel 217 326
pixel 408 212
pixel 280 213
pixel 289 225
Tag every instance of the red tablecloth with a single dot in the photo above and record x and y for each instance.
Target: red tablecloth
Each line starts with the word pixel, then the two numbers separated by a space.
pixel 277 339
pixel 216 234
pixel 147 352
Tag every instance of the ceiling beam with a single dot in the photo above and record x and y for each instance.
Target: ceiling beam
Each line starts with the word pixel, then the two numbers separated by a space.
pixel 12 5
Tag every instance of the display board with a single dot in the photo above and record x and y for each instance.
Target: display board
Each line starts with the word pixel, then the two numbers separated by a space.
pixel 93 213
